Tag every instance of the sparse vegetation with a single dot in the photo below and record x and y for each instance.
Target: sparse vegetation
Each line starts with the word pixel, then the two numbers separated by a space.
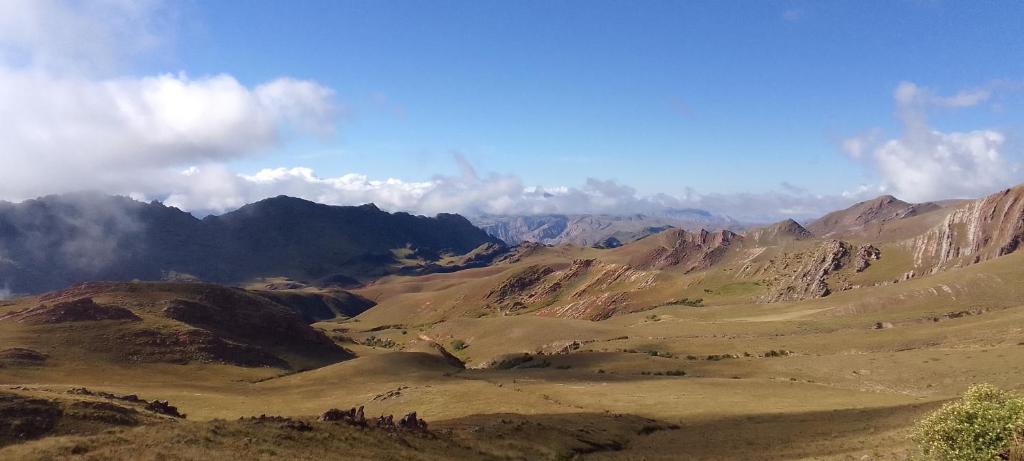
pixel 374 341
pixel 981 426
pixel 458 345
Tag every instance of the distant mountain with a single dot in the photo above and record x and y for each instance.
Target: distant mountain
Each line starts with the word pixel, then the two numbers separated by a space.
pixel 55 241
pixel 868 215
pixel 779 232
pixel 599 230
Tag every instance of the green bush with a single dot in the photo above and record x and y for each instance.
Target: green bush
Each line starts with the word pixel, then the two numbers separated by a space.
pixel 979 427
pixel 458 344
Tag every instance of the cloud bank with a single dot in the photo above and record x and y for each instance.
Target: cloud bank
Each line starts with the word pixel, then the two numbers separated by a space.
pixel 928 164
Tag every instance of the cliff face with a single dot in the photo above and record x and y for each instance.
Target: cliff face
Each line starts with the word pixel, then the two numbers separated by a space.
pixel 977 231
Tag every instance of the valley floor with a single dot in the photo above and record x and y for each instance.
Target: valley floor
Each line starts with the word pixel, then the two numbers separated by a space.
pixel 841 377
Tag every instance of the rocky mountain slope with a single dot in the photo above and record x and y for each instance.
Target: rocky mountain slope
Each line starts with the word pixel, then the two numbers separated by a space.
pixel 875 243
pixel 976 231
pixel 55 241
pixel 589 230
pixel 866 217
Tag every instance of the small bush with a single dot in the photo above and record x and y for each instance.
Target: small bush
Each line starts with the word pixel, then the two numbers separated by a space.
pixel 981 426
pixel 458 344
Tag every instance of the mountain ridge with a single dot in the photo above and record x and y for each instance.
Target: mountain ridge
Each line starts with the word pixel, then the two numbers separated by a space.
pixel 55 241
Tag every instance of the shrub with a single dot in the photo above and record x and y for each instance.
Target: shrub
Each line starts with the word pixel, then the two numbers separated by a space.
pixel 458 344
pixel 981 426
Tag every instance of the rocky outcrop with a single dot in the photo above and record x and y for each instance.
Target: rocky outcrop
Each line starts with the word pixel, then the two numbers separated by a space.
pixel 864 255
pixel 689 251
pixel 356 417
pixel 808 273
pixel 977 231
pixel 587 289
pixel 164 407
pixel 598 306
pixel 519 283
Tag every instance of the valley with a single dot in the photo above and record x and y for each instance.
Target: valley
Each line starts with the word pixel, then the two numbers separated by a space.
pixel 824 341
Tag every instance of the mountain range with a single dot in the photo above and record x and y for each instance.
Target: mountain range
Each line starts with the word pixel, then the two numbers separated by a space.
pixel 784 341
pixel 607 231
pixel 55 241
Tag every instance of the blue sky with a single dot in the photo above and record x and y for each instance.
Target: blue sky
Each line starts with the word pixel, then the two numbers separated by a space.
pixel 719 96
pixel 713 98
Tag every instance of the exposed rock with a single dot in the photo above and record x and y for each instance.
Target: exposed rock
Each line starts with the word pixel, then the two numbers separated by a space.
pixel 411 422
pixel 352 416
pixel 977 231
pixel 882 325
pixel 689 251
pixel 164 407
pixel 809 279
pixel 865 254
pixel 519 283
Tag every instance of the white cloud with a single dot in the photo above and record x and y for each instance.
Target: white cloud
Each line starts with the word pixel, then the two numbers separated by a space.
pixel 213 188
pixel 64 128
pixel 928 164
pixel 79 36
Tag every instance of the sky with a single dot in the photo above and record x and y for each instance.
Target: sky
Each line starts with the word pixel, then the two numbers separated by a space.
pixel 756 110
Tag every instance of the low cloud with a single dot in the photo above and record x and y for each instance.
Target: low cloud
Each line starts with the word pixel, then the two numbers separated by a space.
pixel 215 189
pixel 927 164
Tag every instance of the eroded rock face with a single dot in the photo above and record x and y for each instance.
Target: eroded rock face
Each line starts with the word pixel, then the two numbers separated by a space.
pixel 809 279
pixel 689 251
pixel 519 283
pixel 587 289
pixel 864 255
pixel 978 231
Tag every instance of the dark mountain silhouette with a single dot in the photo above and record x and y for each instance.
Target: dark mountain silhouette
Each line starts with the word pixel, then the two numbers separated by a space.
pixel 55 241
